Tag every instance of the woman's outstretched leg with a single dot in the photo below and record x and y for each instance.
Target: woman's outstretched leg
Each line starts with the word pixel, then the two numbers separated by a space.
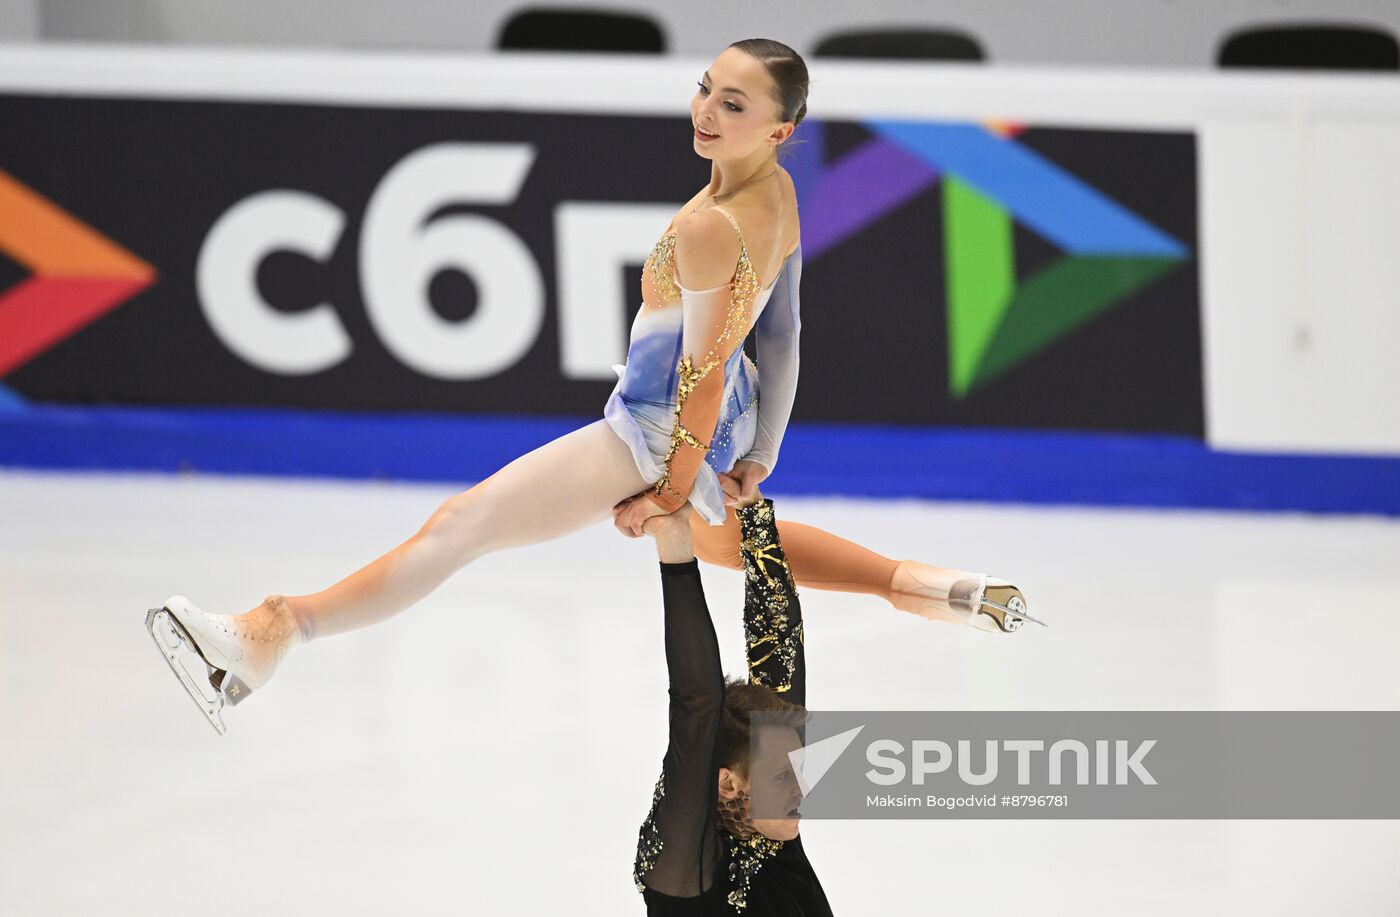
pixel 557 489
pixel 821 560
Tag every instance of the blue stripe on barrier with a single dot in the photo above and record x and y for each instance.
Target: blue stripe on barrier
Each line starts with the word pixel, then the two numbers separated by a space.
pixel 9 400
pixel 853 460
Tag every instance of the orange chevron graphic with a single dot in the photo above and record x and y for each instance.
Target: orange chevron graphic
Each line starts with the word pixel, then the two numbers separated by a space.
pixel 79 275
pixel 1003 128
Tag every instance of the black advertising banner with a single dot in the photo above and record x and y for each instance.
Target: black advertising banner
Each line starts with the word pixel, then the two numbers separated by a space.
pixel 487 261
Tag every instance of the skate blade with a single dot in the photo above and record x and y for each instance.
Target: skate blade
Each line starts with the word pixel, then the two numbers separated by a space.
pixel 1012 608
pixel 1013 612
pixel 182 654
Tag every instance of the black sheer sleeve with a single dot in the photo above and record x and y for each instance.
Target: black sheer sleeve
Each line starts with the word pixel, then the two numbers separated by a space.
pixel 679 846
pixel 772 612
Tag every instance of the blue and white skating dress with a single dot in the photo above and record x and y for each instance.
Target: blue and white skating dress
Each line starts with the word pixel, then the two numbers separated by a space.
pixel 687 403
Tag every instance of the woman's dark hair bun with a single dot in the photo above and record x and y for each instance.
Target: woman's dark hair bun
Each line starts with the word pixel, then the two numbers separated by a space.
pixel 789 73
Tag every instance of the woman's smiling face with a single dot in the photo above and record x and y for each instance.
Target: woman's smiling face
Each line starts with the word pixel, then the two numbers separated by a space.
pixel 733 102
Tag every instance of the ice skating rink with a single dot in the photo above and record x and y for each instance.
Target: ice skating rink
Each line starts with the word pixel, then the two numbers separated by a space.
pixel 499 742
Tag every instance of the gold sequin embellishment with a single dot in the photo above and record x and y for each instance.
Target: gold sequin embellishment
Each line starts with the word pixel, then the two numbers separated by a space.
pixel 744 289
pixel 660 268
pixel 649 841
pixel 747 857
pixel 772 641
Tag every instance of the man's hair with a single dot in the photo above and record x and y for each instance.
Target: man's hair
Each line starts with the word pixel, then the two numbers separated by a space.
pixel 741 699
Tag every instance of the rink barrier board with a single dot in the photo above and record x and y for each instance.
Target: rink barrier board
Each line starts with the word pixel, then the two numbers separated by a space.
pixel 483 262
pixel 992 465
pixel 1293 191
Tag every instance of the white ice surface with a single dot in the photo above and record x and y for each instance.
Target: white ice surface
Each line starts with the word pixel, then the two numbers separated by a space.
pixel 493 750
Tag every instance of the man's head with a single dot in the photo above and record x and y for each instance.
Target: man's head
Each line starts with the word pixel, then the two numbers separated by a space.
pixel 755 761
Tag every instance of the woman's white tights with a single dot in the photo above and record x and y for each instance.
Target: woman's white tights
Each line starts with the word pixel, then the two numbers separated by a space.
pixel 557 489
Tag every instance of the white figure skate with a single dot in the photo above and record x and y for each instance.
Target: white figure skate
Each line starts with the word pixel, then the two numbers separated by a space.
pixel 988 604
pixel 231 656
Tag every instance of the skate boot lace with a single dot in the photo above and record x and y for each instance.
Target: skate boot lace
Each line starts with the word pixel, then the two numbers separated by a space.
pixel 260 639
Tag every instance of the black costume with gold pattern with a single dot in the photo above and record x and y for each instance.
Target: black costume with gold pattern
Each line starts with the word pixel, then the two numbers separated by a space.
pixel 687 861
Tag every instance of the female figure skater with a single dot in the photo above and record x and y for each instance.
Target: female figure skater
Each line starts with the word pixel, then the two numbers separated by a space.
pixel 702 850
pixel 684 413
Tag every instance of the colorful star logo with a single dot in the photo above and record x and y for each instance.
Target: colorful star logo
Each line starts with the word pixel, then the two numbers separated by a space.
pixel 988 180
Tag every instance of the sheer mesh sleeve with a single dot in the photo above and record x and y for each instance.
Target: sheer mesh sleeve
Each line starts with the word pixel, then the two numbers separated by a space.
pixel 715 323
pixel 772 611
pixel 678 846
pixel 775 337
